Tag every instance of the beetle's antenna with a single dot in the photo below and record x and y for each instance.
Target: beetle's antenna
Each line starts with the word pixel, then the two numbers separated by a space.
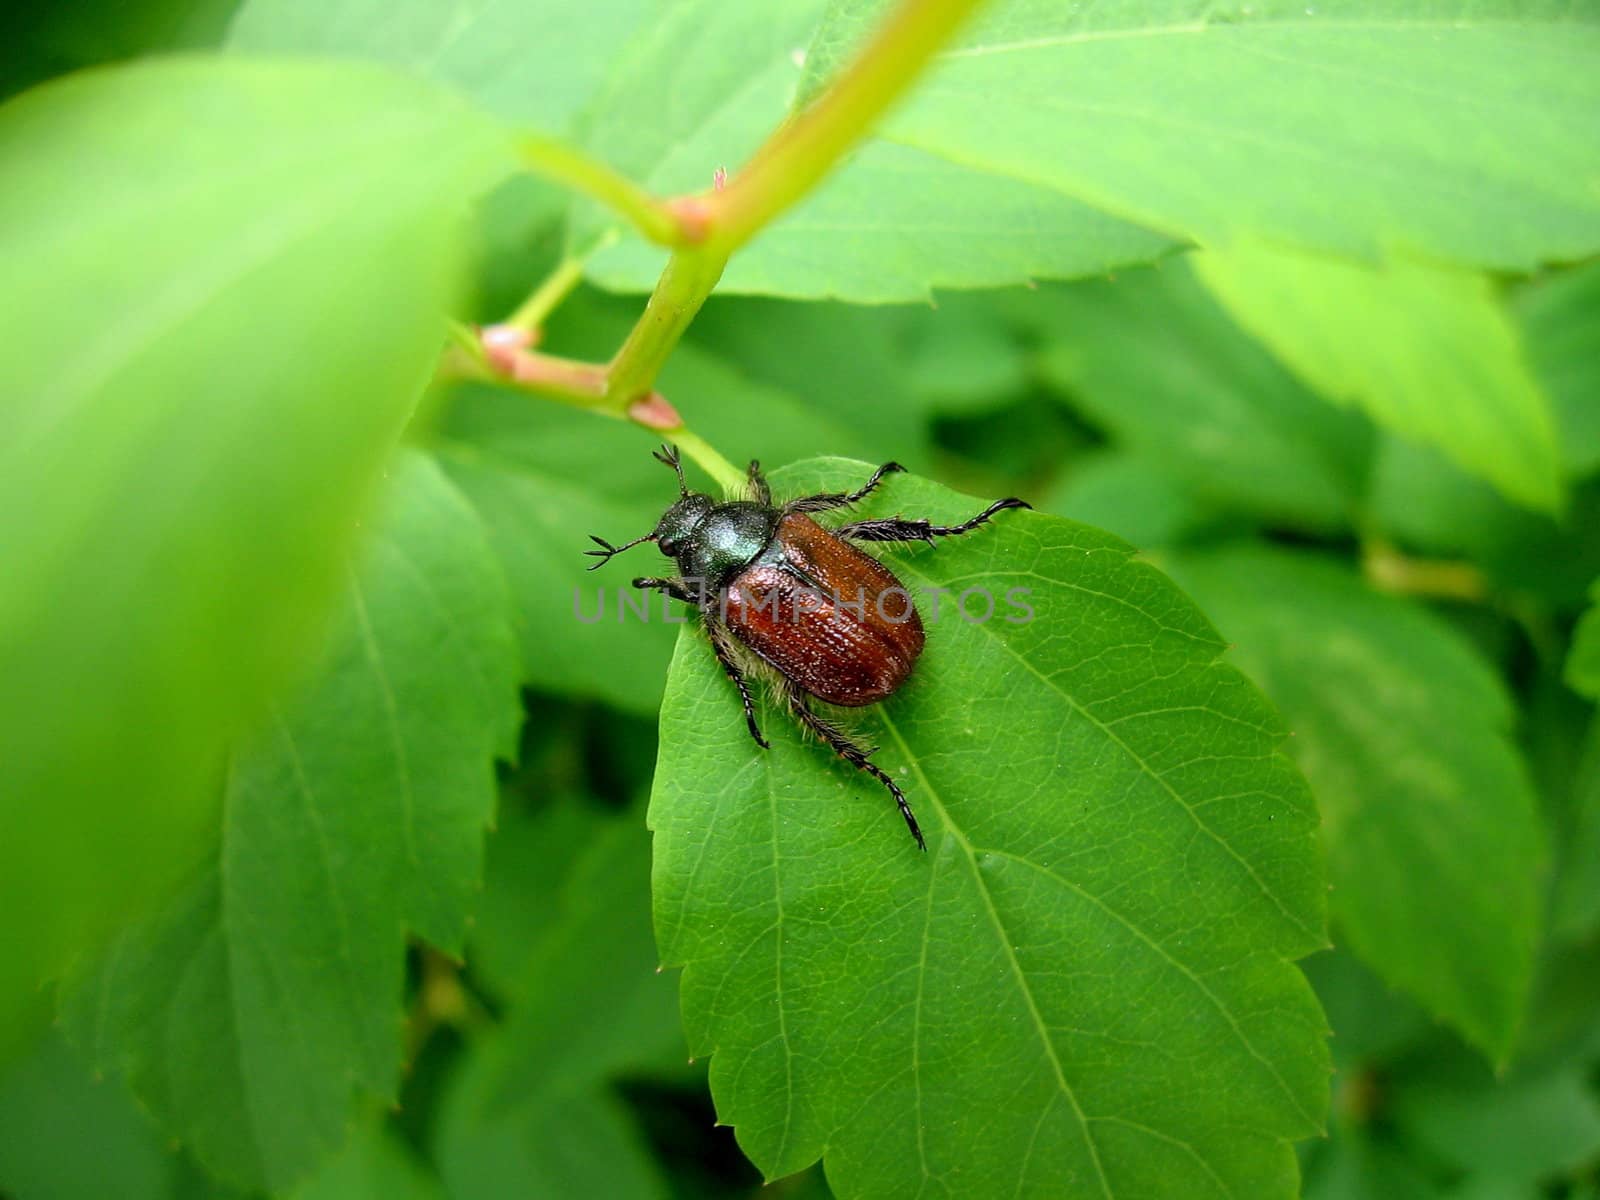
pixel 669 454
pixel 607 550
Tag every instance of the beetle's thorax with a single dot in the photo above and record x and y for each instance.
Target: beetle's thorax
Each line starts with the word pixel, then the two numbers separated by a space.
pixel 725 541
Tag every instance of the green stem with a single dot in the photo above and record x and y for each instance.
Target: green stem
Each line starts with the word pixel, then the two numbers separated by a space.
pixel 802 151
pixel 556 160
pixel 568 380
pixel 532 312
pixel 1438 579
pixel 690 275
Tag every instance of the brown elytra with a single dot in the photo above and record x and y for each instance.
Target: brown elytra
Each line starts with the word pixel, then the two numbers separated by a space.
pixel 832 620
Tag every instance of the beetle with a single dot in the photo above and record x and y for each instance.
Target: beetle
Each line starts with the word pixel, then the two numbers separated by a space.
pixel 832 623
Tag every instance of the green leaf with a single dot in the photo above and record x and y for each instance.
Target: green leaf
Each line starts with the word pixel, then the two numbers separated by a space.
pixel 1153 360
pixel 1083 988
pixel 534 64
pixel 1429 819
pixel 214 326
pixel 611 1011
pixel 1371 1022
pixel 1424 502
pixel 565 933
pixel 670 93
pixel 64 1134
pixel 961 357
pixel 1575 894
pixel 582 1147
pixel 1583 660
pixel 1352 126
pixel 1354 1166
pixel 709 81
pixel 249 1014
pixel 893 224
pixel 375 1165
pixel 846 360
pixel 1429 351
pixel 1130 496
pixel 1560 318
pixel 51 40
pixel 1516 1130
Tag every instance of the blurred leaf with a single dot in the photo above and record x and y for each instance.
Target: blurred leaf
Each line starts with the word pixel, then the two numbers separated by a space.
pixel 611 1011
pixel 960 356
pixel 52 39
pixel 1152 359
pixel 1353 1166
pixel 1016 449
pixel 520 231
pixel 1560 317
pixel 1564 1019
pixel 1575 898
pixel 844 360
pixel 1346 125
pixel 1370 1021
pixel 1583 660
pixel 248 1014
pixel 534 63
pixel 1082 989
pixel 63 1135
pixel 1430 823
pixel 1420 499
pixel 583 1147
pixel 1130 496
pixel 216 330
pixel 1517 1130
pixel 1428 351
pixel 566 934
pixel 1489 1187
pixel 374 1165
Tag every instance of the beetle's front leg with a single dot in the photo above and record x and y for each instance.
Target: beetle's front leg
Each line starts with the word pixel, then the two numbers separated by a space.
pixel 678 589
pixel 899 529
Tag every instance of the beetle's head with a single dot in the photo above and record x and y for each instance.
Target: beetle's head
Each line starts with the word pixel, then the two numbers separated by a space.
pixel 677 524
pixel 680 521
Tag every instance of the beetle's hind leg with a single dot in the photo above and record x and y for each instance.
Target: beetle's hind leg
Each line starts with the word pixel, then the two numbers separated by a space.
pixel 725 656
pixel 899 529
pixel 857 756
pixel 823 501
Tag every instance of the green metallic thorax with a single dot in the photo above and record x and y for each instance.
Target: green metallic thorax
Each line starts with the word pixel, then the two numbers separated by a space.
pixel 726 541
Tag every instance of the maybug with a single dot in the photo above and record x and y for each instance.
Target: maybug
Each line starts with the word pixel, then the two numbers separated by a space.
pixel 833 623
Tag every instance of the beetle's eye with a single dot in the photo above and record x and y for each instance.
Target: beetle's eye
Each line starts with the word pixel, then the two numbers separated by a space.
pixel 668 547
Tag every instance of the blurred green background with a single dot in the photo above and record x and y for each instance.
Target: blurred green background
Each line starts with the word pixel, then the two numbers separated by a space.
pixel 1421 631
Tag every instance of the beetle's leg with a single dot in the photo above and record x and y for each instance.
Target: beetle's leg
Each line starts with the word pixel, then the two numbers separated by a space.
pixel 856 756
pixel 823 501
pixel 719 643
pixel 678 589
pixel 759 491
pixel 899 529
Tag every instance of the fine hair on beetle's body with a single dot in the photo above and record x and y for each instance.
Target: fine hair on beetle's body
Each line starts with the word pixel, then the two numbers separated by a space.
pixel 740 560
